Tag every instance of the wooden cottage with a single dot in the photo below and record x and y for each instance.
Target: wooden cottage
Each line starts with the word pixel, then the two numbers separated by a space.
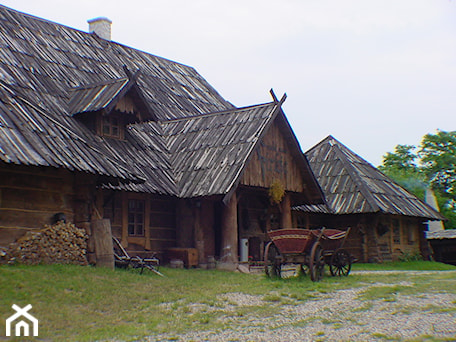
pixel 94 129
pixel 387 221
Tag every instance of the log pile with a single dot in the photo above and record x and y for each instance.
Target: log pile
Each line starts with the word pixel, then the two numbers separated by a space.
pixel 61 243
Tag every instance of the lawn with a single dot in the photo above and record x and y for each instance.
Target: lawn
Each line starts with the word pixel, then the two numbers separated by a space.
pixel 76 303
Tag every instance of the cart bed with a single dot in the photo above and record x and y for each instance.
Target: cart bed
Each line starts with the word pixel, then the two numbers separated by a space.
pixel 293 241
pixel 333 239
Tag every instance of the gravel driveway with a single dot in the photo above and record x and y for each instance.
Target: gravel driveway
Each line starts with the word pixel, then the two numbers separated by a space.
pixel 342 315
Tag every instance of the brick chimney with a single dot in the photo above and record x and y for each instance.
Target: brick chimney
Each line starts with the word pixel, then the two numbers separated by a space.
pixel 101 26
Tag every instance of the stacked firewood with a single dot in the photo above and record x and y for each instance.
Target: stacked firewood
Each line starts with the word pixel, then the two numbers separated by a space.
pixel 61 243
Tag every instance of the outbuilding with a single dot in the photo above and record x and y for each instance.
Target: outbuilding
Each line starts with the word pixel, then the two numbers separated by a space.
pixel 387 222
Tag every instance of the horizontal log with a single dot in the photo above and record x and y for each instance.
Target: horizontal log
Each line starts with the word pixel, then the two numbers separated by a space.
pixel 38 182
pixel 37 200
pixel 163 233
pixel 27 218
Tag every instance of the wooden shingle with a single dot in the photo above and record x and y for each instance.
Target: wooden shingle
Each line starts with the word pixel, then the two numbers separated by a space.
pixel 353 186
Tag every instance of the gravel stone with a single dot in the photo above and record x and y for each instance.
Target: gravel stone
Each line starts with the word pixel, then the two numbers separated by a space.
pixel 341 315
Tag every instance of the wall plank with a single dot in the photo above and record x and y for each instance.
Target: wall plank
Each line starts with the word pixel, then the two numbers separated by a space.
pixel 273 161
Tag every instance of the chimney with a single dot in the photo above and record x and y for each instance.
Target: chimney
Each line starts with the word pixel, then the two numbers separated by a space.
pixel 101 26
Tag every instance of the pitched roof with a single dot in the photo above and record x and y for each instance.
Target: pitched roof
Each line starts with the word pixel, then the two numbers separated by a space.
pixel 352 185
pixel 201 155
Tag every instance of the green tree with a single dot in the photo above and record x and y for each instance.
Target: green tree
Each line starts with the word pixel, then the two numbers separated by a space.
pixel 403 159
pixel 438 157
pixel 401 166
pixel 434 165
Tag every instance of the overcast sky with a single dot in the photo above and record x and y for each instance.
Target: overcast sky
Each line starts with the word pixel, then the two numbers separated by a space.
pixel 372 73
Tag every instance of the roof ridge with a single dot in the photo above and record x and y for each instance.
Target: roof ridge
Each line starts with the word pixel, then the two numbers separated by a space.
pixel 223 112
pixel 100 83
pixel 52 22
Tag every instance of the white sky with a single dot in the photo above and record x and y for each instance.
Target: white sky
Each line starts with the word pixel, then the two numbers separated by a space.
pixel 372 73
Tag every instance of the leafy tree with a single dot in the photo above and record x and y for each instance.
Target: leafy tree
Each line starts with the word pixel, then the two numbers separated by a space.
pixel 434 165
pixel 438 158
pixel 403 158
pixel 401 165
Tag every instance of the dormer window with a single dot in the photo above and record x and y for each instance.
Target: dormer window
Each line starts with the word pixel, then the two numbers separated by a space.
pixel 112 127
pixel 107 107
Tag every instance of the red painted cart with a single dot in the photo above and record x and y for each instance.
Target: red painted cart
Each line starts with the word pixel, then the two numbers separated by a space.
pixel 310 249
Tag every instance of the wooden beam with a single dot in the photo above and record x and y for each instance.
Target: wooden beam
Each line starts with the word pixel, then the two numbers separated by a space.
pixel 101 230
pixel 124 239
pixel 274 97
pixel 147 227
pixel 286 212
pixel 229 245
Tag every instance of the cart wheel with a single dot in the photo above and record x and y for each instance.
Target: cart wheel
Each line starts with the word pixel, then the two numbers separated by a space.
pixel 272 265
pixel 317 262
pixel 340 264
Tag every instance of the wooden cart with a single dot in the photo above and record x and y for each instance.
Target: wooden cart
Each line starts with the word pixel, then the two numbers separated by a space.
pixel 309 249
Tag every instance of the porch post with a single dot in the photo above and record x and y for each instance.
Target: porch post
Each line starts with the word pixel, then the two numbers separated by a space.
pixel 229 243
pixel 286 221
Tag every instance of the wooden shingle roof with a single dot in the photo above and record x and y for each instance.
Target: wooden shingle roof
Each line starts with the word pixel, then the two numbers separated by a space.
pixel 201 155
pixel 353 186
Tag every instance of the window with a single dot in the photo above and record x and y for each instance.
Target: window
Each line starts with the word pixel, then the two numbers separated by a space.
pixel 396 232
pixel 411 233
pixel 135 217
pixel 111 127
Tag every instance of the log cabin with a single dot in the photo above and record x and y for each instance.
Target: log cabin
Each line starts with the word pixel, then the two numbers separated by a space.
pixel 387 222
pixel 91 129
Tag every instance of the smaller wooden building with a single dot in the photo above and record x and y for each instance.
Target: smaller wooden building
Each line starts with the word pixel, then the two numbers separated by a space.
pixel 387 221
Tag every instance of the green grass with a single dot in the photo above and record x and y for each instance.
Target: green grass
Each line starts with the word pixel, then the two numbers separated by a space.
pixel 404 266
pixel 75 303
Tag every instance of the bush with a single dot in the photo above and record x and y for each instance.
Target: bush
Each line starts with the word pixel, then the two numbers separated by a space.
pixel 407 256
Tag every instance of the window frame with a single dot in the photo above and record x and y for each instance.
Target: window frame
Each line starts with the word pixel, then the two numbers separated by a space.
pixel 133 213
pixel 396 231
pixel 113 122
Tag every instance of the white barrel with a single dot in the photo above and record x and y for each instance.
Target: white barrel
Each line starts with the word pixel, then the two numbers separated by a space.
pixel 244 250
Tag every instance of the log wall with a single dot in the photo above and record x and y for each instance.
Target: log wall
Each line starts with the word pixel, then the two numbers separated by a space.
pixel 373 237
pixel 30 197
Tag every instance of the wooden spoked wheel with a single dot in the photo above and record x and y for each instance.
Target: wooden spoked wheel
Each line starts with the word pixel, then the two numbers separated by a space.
pixel 340 264
pixel 272 264
pixel 317 262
